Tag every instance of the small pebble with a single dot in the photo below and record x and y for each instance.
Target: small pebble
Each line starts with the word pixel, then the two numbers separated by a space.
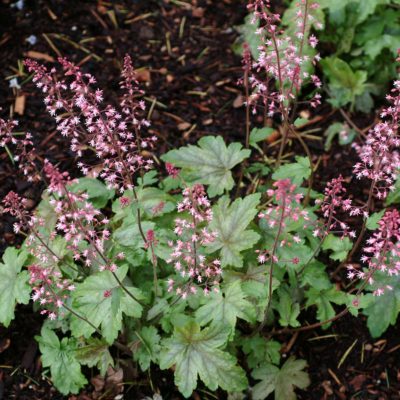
pixel 14 83
pixel 31 39
pixel 19 4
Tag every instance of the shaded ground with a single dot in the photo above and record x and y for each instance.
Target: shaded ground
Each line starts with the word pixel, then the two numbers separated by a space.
pixel 189 73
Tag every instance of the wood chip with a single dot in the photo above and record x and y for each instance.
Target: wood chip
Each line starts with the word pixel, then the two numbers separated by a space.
pixel 19 106
pixel 238 102
pixel 358 381
pixel 4 344
pixel 39 56
pixel 274 136
pixel 327 386
pixel 184 125
pixel 198 12
pixel 143 75
pixel 102 9
pixel 334 376
pixel 51 14
pixel 305 114
pixel 98 383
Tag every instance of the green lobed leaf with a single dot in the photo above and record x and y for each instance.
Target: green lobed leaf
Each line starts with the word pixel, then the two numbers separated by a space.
pixel 258 167
pixel 128 234
pixel 364 102
pixel 99 194
pixel 151 198
pixel 287 308
pixel 259 350
pixel 333 6
pixel 209 163
pixel 224 308
pixel 362 8
pixel 323 299
pixel 286 254
pixel 373 219
pixel 146 346
pixel 315 276
pixel 197 353
pixel 375 46
pixel 340 74
pixel 344 83
pixel 148 178
pixel 101 300
pixel 95 352
pixel 259 135
pixel 230 222
pixel 14 287
pixel 283 381
pixel 296 172
pixel 60 357
pixel 253 282
pixel 367 7
pixel 158 308
pixel 153 202
pixel 383 310
pixel 340 247
pixel 175 317
pixel 394 196
pixel 46 211
pixel 255 286
pixel 335 130
pixel 249 36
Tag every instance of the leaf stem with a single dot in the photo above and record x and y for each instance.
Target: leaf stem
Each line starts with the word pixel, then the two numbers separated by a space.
pixel 99 252
pixel 281 219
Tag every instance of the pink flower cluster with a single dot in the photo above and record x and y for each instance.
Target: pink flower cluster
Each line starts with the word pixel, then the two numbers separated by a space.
pixel 83 230
pixel 287 204
pixel 382 252
pixel 50 290
pixel 192 266
pixel 334 203
pixel 282 57
pixel 16 206
pixel 77 219
pixel 380 159
pixel 287 208
pixel 23 147
pixel 6 132
pixel 36 242
pixel 115 136
pixel 172 170
pixel 117 141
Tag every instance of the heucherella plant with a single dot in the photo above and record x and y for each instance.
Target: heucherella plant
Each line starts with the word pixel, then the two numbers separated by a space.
pixel 189 270
pixel 115 136
pixel 282 67
pixel 186 256
pixel 283 57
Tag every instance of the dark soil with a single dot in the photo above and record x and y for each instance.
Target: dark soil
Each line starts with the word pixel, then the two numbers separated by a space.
pixel 189 73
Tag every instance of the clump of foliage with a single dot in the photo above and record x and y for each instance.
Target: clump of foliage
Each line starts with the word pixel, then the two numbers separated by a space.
pixel 365 36
pixel 168 262
pixel 358 44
